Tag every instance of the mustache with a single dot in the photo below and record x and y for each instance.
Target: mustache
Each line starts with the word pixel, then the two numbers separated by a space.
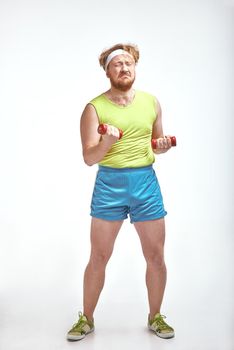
pixel 125 73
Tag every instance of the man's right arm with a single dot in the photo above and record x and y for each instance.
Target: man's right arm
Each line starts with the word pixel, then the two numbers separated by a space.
pixel 95 146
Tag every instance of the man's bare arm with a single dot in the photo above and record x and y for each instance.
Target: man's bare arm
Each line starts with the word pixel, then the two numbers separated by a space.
pixel 95 147
pixel 163 143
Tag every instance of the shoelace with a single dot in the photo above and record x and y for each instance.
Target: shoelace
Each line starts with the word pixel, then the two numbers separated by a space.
pixel 159 322
pixel 79 324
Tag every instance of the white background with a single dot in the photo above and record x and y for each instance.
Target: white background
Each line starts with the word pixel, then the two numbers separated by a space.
pixel 48 71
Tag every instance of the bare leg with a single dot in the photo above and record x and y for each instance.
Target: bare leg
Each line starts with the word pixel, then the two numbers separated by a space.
pixel 152 236
pixel 103 235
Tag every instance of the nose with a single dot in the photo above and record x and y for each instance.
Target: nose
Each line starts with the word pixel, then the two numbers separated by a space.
pixel 125 68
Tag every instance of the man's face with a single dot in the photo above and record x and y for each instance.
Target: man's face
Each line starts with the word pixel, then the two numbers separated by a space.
pixel 121 72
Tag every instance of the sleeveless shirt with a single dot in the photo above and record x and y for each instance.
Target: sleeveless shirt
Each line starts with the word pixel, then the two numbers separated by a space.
pixel 136 121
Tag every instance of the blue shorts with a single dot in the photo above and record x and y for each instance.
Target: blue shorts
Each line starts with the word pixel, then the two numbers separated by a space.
pixel 133 191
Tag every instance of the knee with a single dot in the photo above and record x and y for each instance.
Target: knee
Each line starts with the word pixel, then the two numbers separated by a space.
pixel 155 259
pixel 99 259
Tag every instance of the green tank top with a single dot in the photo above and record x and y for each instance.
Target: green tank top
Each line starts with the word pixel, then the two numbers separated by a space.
pixel 136 120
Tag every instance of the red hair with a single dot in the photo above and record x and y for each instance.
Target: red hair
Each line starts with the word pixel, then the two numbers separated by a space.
pixel 130 48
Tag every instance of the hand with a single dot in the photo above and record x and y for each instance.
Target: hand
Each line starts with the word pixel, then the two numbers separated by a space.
pixel 111 135
pixel 163 144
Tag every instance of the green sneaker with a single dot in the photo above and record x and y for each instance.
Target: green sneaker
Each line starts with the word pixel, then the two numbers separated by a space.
pixel 80 329
pixel 160 327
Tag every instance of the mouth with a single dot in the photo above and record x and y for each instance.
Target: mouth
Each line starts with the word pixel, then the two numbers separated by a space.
pixel 125 76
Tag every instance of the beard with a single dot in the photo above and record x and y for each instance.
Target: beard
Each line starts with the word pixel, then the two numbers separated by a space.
pixel 122 85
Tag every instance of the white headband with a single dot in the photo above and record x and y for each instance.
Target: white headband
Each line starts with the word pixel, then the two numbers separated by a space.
pixel 115 53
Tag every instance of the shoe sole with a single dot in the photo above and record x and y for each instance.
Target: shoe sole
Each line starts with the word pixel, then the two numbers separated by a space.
pixel 71 337
pixel 161 335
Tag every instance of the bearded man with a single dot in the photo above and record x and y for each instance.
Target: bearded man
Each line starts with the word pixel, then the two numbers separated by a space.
pixel 126 183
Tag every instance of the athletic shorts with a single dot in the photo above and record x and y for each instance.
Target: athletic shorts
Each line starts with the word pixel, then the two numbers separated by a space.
pixel 128 191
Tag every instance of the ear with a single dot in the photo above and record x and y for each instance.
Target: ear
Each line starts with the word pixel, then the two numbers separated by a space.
pixel 107 73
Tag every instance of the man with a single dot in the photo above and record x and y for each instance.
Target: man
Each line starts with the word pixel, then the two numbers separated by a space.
pixel 126 183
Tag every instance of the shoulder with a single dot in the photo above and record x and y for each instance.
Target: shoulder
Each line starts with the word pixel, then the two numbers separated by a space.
pixel 146 95
pixel 97 99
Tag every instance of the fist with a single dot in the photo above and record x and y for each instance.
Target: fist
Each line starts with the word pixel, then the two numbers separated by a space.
pixel 110 130
pixel 164 142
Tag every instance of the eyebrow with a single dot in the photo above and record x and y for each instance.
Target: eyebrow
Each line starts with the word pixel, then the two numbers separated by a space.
pixel 124 60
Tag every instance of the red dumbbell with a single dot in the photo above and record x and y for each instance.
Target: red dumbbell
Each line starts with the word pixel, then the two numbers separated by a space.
pixel 154 142
pixel 102 129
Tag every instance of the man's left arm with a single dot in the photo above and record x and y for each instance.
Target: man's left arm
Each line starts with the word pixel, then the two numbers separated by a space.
pixel 163 142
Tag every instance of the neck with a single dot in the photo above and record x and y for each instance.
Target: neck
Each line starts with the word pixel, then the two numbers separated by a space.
pixel 120 97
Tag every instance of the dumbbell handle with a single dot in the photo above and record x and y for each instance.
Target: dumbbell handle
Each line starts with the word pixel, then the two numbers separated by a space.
pixel 102 129
pixel 154 142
